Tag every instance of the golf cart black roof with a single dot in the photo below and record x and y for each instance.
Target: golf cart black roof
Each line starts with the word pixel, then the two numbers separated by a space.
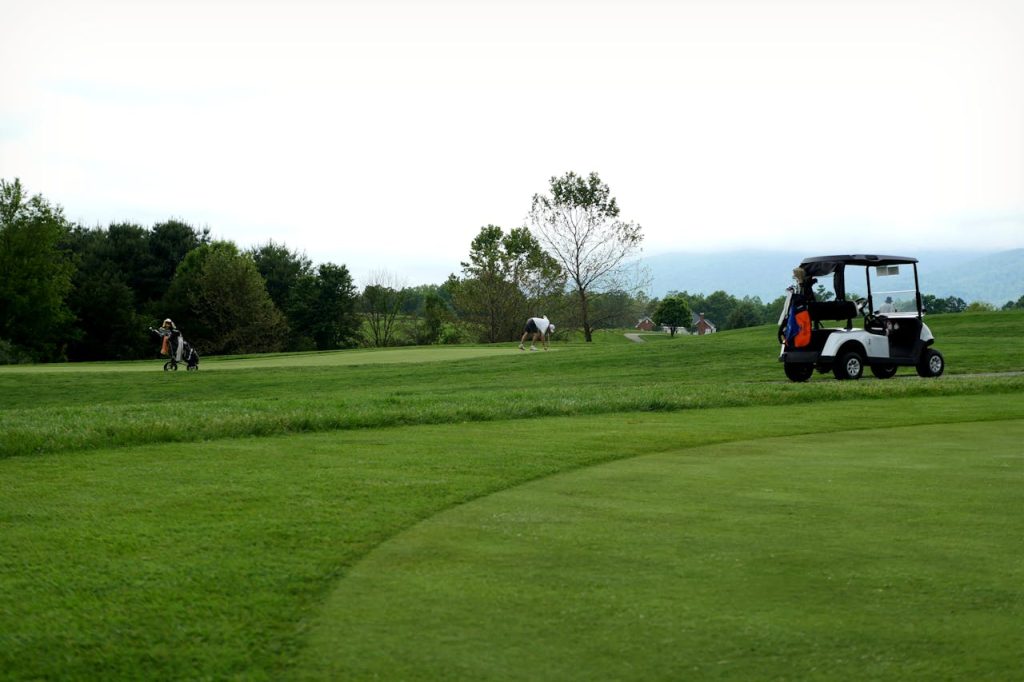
pixel 826 265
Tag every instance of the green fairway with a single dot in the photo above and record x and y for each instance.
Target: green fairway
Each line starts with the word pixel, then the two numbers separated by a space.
pixel 877 554
pixel 206 525
pixel 76 407
pixel 274 360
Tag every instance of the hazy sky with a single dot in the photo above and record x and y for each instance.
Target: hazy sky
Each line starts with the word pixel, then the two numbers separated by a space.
pixel 383 135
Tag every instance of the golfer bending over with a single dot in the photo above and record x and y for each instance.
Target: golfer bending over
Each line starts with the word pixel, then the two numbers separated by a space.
pixel 540 328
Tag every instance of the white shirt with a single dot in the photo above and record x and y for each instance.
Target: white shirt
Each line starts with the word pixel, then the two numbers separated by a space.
pixel 541 323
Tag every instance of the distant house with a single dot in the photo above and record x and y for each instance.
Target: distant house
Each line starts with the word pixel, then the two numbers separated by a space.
pixel 701 326
pixel 645 324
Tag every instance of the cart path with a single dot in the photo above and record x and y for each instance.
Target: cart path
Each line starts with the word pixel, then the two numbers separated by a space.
pixel 635 338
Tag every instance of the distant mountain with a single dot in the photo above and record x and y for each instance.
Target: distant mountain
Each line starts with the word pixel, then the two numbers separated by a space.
pixel 740 273
pixel 995 278
pixel 992 277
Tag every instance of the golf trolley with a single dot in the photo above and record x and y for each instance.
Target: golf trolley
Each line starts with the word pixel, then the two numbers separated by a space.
pixel 892 334
pixel 177 349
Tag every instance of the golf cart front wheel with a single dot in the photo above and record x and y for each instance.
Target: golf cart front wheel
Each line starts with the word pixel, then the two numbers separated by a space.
pixel 849 366
pixel 883 371
pixel 931 364
pixel 170 366
pixel 798 371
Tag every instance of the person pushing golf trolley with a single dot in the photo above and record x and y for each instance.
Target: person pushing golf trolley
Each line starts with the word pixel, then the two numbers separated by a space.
pixel 539 327
pixel 175 346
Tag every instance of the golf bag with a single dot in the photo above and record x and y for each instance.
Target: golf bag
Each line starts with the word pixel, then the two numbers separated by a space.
pixel 798 323
pixel 177 349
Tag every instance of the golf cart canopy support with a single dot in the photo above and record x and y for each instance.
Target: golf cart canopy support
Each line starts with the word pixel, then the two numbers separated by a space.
pixel 819 266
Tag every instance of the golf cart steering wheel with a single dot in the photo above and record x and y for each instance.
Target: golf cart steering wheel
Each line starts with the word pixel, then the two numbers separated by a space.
pixel 869 318
pixel 862 306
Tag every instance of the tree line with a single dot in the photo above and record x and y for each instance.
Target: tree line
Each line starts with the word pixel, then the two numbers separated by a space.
pixel 69 292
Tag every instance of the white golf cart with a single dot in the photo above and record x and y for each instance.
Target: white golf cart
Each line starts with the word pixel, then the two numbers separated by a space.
pixel 893 332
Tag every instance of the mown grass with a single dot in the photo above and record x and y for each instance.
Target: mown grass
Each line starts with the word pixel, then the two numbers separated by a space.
pixel 868 554
pixel 55 411
pixel 186 552
pixel 211 560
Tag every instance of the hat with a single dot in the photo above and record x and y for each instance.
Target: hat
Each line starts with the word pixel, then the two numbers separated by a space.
pixel 551 329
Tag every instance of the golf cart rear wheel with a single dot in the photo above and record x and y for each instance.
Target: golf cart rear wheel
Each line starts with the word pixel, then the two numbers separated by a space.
pixel 931 364
pixel 170 366
pixel 883 371
pixel 798 371
pixel 849 366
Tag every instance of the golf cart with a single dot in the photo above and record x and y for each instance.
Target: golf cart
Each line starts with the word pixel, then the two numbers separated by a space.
pixel 892 334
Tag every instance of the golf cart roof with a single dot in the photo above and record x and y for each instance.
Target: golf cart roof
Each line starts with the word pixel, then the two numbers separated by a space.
pixel 826 265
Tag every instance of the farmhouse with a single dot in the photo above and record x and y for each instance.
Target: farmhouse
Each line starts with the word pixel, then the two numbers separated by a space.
pixel 701 326
pixel 645 324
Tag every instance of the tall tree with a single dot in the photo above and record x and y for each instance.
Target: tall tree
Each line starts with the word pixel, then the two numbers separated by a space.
pixel 578 224
pixel 222 304
pixel 169 243
pixel 281 270
pixel 294 287
pixel 110 264
pixel 507 277
pixel 335 323
pixel 35 273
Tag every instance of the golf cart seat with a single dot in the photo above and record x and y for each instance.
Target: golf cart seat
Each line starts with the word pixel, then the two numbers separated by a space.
pixel 832 310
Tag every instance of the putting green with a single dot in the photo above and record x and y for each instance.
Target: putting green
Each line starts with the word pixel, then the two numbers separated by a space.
pixel 876 554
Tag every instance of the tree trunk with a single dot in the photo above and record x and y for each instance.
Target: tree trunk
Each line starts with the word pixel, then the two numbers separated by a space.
pixel 588 335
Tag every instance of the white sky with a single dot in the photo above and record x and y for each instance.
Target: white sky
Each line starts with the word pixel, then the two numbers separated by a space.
pixel 383 135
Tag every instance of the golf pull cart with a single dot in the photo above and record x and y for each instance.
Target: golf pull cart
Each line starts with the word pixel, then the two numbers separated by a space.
pixel 892 334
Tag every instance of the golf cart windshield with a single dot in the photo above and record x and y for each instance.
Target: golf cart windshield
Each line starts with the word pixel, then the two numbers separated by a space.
pixel 892 289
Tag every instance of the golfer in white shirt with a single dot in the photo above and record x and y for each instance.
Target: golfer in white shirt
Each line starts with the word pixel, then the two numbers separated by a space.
pixel 539 327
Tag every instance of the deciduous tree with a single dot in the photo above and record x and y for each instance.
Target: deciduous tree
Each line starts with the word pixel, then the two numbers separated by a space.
pixel 222 304
pixel 745 314
pixel 382 301
pixel 507 277
pixel 578 224
pixel 35 274
pixel 673 312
